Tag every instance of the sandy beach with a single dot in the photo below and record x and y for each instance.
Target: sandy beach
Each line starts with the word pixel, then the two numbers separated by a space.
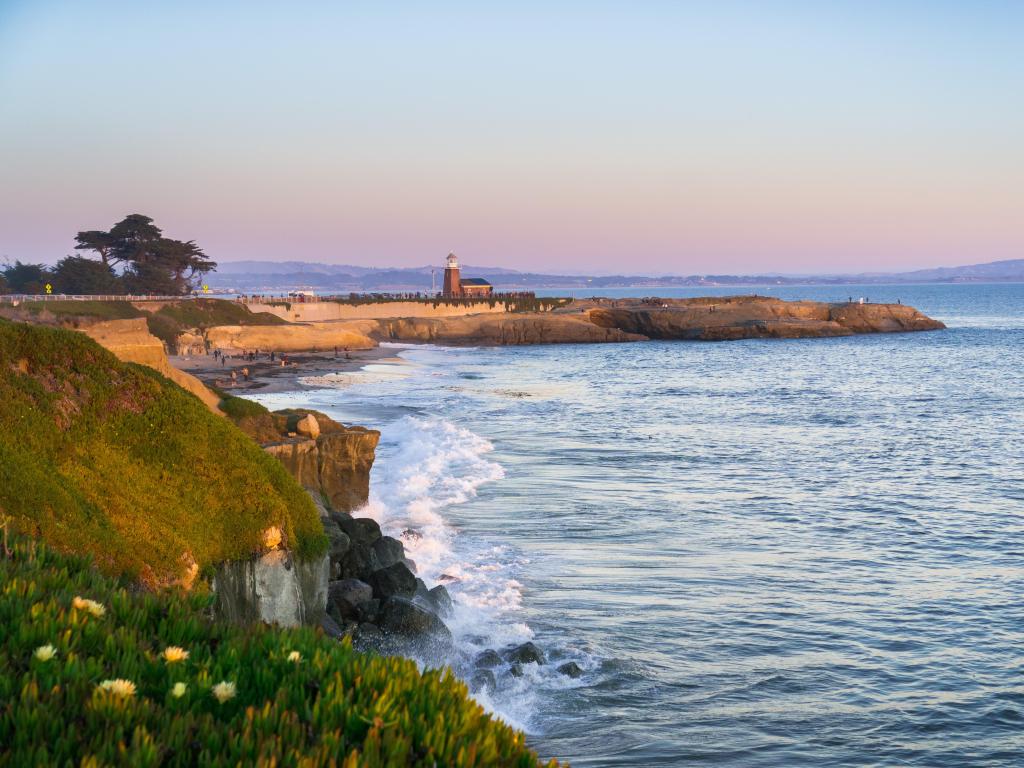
pixel 271 376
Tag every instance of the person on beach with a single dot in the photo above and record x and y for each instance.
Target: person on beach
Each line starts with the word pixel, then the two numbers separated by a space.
pixel 234 377
pixel 272 353
pixel 245 373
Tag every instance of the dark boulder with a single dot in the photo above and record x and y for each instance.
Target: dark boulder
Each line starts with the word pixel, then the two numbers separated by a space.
pixel 394 580
pixel 338 540
pixel 516 670
pixel 344 596
pixel 368 637
pixel 483 679
pixel 422 594
pixel 487 659
pixel 357 563
pixel 403 617
pixel 571 669
pixel 363 531
pixel 442 600
pixel 388 551
pixel 330 627
pixel 368 610
pixel 527 653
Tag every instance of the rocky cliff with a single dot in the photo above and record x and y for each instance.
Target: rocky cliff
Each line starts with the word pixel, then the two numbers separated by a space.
pixel 746 317
pixel 519 329
pixel 581 322
pixel 294 337
pixel 331 461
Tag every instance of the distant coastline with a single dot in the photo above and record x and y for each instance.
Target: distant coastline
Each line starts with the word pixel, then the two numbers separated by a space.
pixel 271 276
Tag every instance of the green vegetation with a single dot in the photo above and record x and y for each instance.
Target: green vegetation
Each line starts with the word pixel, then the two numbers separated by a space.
pixel 293 697
pixel 112 459
pixel 100 310
pixel 236 408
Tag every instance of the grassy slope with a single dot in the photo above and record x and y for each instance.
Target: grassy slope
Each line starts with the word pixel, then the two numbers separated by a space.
pixel 112 459
pixel 96 310
pixel 330 707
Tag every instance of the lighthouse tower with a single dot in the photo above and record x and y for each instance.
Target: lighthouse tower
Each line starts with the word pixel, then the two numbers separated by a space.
pixel 452 280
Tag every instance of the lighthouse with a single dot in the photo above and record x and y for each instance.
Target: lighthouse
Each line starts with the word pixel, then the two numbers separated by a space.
pixel 452 281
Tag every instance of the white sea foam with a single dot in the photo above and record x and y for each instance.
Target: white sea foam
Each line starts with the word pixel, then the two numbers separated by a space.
pixel 426 465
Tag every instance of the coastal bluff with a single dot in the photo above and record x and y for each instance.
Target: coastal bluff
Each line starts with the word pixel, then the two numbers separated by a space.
pixel 727 318
pixel 749 317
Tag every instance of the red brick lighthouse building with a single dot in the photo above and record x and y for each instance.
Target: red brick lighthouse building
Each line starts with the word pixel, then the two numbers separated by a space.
pixel 452 278
pixel 457 286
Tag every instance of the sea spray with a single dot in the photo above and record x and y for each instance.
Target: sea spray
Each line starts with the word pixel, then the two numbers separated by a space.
pixel 425 465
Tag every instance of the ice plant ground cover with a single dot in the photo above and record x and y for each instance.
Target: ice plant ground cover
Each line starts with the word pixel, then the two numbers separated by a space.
pixel 107 696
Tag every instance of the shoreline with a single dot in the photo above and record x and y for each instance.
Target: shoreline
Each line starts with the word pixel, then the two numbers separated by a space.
pixel 268 377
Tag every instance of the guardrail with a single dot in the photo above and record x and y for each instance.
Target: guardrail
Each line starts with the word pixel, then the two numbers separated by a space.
pixel 367 298
pixel 19 297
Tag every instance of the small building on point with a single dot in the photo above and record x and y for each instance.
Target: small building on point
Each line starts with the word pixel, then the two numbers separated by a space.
pixel 457 286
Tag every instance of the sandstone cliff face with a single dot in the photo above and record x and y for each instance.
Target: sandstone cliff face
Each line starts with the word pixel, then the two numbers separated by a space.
pixel 527 328
pixel 334 467
pixel 300 337
pixel 131 341
pixel 758 317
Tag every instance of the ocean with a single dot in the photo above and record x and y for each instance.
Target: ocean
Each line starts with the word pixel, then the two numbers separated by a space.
pixel 761 553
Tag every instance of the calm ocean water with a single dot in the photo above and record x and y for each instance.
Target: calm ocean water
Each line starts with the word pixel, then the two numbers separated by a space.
pixel 763 553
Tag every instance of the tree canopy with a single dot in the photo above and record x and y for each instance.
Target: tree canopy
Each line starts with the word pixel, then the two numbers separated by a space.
pixel 150 262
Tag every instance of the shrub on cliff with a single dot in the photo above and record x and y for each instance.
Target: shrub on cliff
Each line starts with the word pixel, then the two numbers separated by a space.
pixel 112 459
pixel 91 674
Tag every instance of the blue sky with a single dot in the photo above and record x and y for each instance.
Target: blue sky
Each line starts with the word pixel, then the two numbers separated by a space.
pixel 632 136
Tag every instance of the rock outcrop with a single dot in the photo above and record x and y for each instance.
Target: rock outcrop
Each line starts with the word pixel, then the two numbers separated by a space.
pixel 508 329
pixel 293 337
pixel 334 466
pixel 274 588
pixel 748 317
pixel 589 322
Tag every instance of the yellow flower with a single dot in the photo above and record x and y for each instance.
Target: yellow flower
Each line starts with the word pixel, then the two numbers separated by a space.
pixel 45 652
pixel 118 687
pixel 178 690
pixel 173 653
pixel 295 657
pixel 224 691
pixel 82 604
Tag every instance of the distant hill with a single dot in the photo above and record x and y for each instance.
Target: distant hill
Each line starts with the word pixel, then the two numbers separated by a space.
pixel 260 276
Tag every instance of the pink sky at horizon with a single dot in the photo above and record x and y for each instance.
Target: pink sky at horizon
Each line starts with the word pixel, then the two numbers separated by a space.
pixel 719 138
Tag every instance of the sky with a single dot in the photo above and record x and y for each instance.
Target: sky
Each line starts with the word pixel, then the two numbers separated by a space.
pixel 637 137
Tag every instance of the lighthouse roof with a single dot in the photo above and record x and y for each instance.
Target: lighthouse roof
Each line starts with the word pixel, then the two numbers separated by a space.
pixel 474 281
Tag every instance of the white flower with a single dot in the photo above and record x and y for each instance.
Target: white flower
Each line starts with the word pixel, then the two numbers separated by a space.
pixel 118 687
pixel 295 657
pixel 178 690
pixel 174 653
pixel 45 652
pixel 224 691
pixel 82 604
